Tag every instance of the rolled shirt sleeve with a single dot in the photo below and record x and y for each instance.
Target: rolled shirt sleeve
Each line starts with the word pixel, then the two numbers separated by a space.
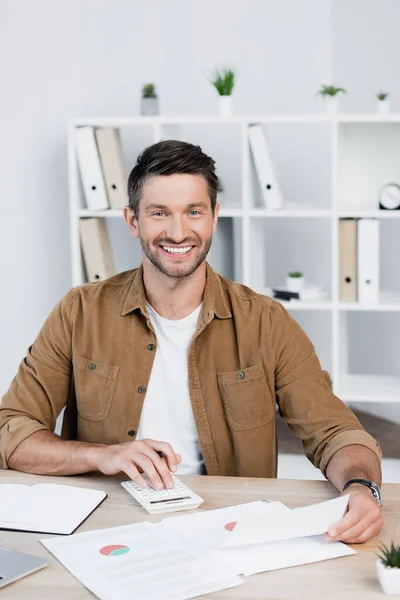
pixel 40 390
pixel 305 397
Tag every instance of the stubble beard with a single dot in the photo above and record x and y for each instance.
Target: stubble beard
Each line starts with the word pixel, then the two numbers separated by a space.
pixel 179 270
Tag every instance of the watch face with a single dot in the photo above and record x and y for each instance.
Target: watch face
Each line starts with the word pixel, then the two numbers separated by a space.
pixel 389 196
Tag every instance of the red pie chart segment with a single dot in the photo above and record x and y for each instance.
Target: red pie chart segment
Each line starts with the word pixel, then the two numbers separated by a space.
pixel 114 550
pixel 230 526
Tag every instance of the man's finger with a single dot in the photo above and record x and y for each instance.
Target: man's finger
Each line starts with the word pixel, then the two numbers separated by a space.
pixel 145 463
pixel 349 520
pixel 355 532
pixel 168 452
pixel 160 466
pixel 129 468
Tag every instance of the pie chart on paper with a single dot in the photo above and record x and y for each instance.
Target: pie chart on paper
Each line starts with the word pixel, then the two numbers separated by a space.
pixel 114 550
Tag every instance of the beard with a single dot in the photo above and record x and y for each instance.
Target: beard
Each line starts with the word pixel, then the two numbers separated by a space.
pixel 199 250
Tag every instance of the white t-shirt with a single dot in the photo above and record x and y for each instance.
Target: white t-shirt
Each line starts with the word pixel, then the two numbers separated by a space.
pixel 167 414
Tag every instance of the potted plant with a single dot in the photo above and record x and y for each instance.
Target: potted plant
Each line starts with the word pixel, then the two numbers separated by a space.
pixel 149 102
pixel 224 82
pixel 383 102
pixel 330 95
pixel 295 281
pixel 220 191
pixel 388 567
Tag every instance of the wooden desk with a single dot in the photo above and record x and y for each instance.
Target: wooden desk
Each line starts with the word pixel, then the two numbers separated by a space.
pixel 351 577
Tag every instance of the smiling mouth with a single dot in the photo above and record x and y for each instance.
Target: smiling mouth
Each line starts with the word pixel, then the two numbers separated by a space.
pixel 177 251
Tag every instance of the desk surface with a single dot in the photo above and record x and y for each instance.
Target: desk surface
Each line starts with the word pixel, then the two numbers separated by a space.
pixel 353 577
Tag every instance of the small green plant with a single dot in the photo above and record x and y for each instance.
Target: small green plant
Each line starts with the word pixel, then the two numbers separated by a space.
pixel 330 90
pixel 390 557
pixel 224 81
pixel 295 274
pixel 149 91
pixel 220 185
pixel 382 95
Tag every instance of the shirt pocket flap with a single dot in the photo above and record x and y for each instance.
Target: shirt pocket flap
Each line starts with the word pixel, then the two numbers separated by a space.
pixel 94 387
pixel 246 397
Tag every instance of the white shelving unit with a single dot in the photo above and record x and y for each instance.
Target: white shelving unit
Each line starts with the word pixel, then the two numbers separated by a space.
pixel 329 167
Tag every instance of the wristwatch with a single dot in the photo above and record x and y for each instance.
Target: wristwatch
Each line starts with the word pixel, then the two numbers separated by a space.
pixel 376 492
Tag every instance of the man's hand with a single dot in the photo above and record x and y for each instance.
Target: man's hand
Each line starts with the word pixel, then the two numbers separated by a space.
pixel 362 521
pixel 156 459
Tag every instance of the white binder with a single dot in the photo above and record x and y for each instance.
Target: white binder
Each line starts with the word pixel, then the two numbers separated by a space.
pixel 270 189
pixel 110 152
pixel 90 169
pixel 368 261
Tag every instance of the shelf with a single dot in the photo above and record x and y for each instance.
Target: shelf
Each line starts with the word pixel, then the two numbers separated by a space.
pixel 292 209
pixel 236 119
pixel 364 212
pixel 388 301
pixel 325 304
pixel 369 388
pixel 84 212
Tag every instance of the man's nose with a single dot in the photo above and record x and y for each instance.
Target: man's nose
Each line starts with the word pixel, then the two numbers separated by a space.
pixel 176 229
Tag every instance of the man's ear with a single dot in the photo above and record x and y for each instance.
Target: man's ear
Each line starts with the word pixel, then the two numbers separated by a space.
pixel 215 218
pixel 132 221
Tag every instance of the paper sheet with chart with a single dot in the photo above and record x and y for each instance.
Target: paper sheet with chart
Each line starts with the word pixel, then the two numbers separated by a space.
pixel 299 522
pixel 141 562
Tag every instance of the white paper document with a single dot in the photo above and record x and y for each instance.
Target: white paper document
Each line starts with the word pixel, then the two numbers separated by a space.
pixel 211 529
pixel 300 522
pixel 47 508
pixel 141 562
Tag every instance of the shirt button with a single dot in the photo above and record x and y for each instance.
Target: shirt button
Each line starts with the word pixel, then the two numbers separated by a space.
pixel 141 389
pixel 241 375
pixel 150 347
pixel 131 433
pixel 91 366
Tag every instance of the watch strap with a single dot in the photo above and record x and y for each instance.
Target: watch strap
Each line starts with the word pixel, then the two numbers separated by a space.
pixel 369 484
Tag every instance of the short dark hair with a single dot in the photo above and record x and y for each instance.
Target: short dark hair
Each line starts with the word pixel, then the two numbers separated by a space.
pixel 170 157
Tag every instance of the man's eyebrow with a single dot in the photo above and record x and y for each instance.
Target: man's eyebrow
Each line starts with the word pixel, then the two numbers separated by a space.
pixel 154 205
pixel 189 206
pixel 198 205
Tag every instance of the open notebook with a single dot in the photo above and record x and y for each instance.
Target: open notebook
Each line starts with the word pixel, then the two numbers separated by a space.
pixel 46 508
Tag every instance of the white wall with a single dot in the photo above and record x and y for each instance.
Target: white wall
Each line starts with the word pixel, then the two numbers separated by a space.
pixel 76 58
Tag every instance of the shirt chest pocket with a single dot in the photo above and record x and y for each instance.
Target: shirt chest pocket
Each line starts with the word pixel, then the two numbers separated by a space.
pixel 94 387
pixel 246 397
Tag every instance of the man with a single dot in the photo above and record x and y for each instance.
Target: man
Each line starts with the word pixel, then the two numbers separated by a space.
pixel 172 365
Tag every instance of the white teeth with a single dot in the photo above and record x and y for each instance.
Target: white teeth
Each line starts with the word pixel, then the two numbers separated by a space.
pixel 177 250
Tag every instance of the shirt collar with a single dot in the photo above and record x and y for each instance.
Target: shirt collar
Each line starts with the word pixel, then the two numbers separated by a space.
pixel 214 298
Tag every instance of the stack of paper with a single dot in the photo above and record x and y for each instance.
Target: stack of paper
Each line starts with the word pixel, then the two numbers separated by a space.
pixel 186 556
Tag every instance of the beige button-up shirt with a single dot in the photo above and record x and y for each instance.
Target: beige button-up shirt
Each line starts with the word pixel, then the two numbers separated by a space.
pixel 95 352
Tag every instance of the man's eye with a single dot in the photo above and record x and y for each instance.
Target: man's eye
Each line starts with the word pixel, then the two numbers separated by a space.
pixel 158 213
pixel 195 212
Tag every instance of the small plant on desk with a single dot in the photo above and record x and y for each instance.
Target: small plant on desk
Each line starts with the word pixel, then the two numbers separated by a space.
pixel 388 567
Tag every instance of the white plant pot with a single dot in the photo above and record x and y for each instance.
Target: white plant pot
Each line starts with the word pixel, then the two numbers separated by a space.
pixel 221 198
pixel 389 579
pixel 331 104
pixel 383 107
pixel 295 284
pixel 149 106
pixel 225 105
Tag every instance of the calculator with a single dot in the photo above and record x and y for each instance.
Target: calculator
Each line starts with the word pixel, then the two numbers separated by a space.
pixel 180 497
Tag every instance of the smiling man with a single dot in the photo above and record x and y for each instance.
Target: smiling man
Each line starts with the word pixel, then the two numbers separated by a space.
pixel 171 367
